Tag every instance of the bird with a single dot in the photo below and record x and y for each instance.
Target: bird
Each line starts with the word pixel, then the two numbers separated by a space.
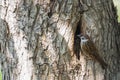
pixel 89 50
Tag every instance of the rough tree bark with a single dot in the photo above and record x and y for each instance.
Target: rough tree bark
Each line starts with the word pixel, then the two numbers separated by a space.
pixel 37 39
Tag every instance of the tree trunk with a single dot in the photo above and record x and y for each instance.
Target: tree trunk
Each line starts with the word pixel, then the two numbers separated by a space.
pixel 38 39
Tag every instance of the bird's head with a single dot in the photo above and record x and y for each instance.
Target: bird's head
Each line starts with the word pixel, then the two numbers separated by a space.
pixel 84 38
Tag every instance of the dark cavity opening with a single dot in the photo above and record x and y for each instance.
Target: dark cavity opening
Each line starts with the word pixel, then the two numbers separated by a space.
pixel 77 41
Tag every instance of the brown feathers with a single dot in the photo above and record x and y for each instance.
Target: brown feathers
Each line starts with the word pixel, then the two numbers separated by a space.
pixel 89 49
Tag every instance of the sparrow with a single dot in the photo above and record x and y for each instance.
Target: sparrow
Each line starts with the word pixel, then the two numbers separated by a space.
pixel 89 50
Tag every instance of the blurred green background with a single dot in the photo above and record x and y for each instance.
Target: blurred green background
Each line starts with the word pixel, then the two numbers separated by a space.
pixel 117 4
pixel 0 75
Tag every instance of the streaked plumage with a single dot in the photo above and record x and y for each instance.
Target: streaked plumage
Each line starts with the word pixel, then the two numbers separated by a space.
pixel 89 49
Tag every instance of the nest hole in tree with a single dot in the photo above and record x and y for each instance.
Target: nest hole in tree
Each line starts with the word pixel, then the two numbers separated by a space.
pixel 76 46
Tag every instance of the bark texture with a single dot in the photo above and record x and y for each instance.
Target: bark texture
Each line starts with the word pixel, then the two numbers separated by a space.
pixel 38 38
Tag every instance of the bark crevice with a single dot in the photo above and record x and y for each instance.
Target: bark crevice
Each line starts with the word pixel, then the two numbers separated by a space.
pixel 76 47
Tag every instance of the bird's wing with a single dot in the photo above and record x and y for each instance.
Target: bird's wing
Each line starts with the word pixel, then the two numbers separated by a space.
pixel 89 48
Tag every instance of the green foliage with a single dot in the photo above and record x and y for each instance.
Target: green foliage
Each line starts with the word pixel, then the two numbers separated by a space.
pixel 0 75
pixel 117 4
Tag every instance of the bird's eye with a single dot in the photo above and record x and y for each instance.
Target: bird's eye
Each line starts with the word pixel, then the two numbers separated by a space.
pixel 82 38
